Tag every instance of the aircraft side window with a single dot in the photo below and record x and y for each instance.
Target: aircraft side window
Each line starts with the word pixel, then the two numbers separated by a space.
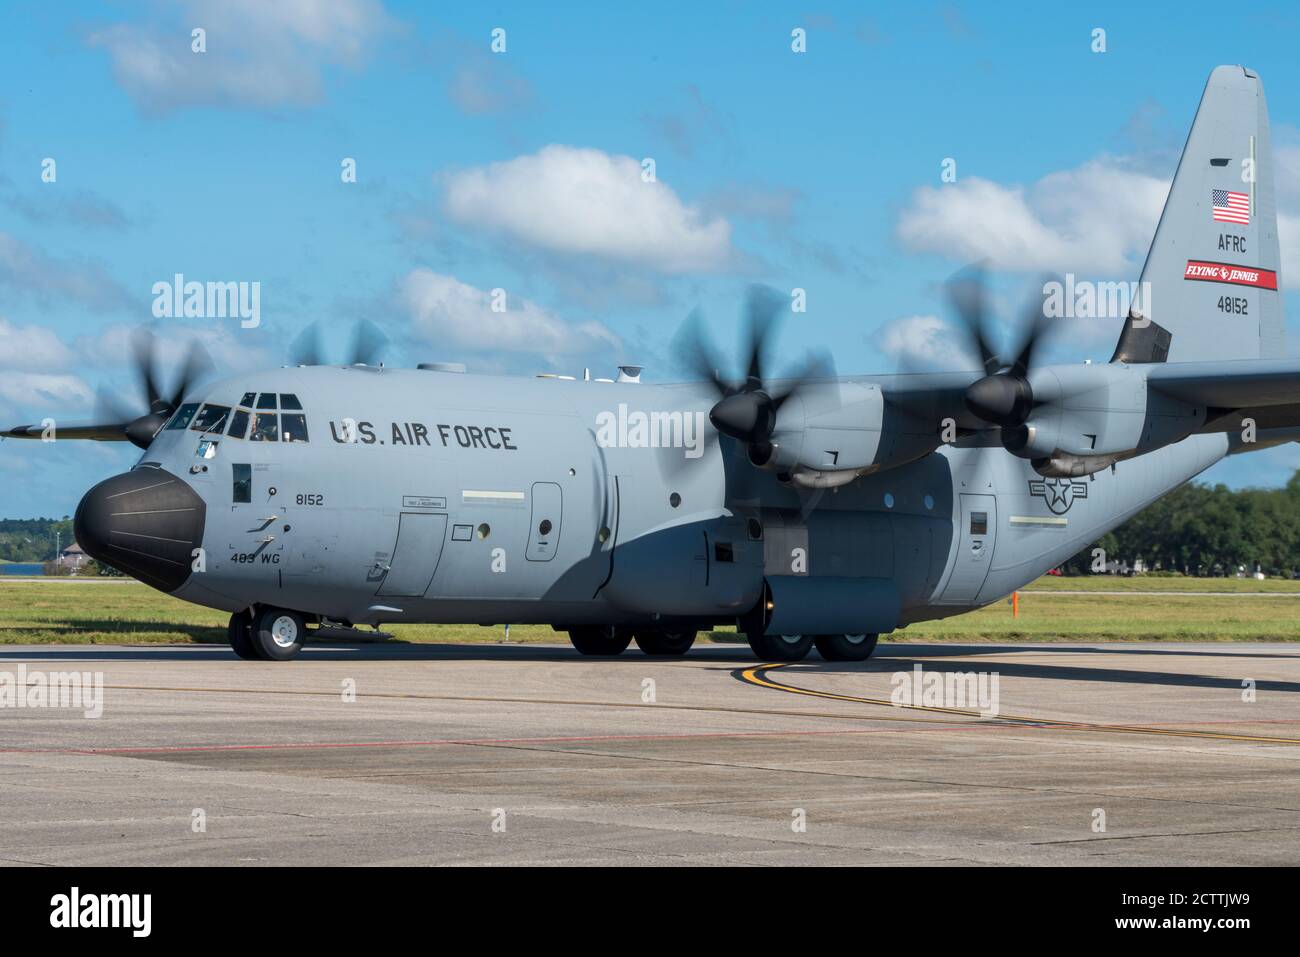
pixel 211 418
pixel 183 415
pixel 247 400
pixel 265 428
pixel 241 489
pixel 238 424
pixel 979 523
pixel 293 427
pixel 266 400
pixel 289 401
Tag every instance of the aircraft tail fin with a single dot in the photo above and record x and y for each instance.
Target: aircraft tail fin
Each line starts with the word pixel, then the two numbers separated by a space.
pixel 1210 283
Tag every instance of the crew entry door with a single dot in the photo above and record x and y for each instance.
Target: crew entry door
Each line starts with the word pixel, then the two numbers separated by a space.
pixel 415 556
pixel 979 522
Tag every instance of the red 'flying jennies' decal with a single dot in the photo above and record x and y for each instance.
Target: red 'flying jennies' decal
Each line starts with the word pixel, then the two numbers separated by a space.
pixel 1230 207
pixel 1234 275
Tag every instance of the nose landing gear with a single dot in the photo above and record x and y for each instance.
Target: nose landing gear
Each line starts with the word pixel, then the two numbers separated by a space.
pixel 269 634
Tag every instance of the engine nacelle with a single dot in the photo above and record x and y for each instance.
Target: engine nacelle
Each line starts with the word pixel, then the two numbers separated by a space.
pixel 833 432
pixel 1096 413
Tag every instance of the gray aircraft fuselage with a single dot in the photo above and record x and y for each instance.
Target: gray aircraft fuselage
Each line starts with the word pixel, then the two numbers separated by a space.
pixel 428 496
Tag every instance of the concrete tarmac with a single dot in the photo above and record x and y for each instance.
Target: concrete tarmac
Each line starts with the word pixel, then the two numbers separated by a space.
pixel 494 754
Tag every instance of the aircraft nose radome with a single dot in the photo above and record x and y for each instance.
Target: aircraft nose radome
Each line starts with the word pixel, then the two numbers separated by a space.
pixel 145 523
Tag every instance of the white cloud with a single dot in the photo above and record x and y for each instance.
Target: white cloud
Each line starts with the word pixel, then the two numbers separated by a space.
pixel 585 202
pixel 1096 217
pixel 31 347
pixel 259 54
pixel 923 342
pixel 228 346
pixel 1286 175
pixel 445 310
pixel 1099 217
pixel 37 390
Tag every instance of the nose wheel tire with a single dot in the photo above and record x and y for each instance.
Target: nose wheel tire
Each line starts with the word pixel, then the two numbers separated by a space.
pixel 241 639
pixel 846 647
pixel 665 643
pixel 600 639
pixel 780 647
pixel 278 634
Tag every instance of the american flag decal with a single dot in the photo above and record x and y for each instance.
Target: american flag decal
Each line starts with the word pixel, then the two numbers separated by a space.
pixel 1230 207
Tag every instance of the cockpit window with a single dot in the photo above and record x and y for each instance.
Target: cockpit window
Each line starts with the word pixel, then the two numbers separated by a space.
pixel 238 424
pixel 247 400
pixel 295 427
pixel 211 418
pixel 266 400
pixel 265 428
pixel 289 401
pixel 183 416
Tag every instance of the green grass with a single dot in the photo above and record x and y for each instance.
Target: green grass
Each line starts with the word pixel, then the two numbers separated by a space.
pixel 93 613
pixel 1150 583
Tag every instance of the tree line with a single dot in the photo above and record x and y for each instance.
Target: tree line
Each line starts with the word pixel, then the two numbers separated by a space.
pixel 33 539
pixel 1200 529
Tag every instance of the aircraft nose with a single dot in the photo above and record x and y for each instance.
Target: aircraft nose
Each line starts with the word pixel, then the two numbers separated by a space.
pixel 145 523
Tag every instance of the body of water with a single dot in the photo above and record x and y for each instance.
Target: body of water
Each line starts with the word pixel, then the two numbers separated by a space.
pixel 22 568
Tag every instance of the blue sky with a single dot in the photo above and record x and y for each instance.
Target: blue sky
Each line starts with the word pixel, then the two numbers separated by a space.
pixel 479 170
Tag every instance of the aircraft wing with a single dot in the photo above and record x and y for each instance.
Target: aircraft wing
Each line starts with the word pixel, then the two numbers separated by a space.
pixel 932 397
pixel 99 433
pixel 1231 384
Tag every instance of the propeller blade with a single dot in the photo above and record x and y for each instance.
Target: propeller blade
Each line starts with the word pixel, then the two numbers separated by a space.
pixel 145 345
pixel 306 347
pixel 109 408
pixel 966 293
pixel 815 366
pixel 368 342
pixel 695 353
pixel 762 310
pixel 1035 323
pixel 198 366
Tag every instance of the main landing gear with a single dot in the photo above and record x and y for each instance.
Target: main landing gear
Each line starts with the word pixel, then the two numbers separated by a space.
pixel 600 639
pixel 268 634
pixel 609 640
pixel 796 647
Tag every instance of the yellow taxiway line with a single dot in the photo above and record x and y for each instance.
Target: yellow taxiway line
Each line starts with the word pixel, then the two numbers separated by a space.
pixel 757 676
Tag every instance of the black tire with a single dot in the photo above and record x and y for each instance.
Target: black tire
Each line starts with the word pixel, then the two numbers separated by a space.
pixel 780 647
pixel 665 643
pixel 846 647
pixel 600 639
pixel 241 641
pixel 277 634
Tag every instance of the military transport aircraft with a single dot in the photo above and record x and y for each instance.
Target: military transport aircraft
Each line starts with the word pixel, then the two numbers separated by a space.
pixel 810 510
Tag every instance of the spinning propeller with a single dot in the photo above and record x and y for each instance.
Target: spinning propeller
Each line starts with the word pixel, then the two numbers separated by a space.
pixel 747 410
pixel 368 343
pixel 121 423
pixel 1003 396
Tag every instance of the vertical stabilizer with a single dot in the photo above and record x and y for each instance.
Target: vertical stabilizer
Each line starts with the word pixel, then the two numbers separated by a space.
pixel 1214 288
